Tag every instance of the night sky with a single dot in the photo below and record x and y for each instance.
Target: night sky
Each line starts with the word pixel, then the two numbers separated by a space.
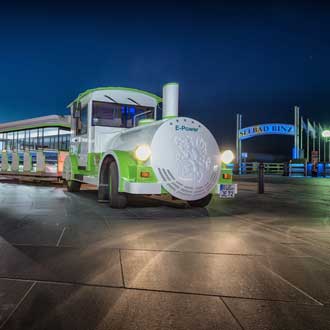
pixel 250 58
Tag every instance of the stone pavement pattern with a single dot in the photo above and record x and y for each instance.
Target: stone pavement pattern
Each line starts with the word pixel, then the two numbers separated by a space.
pixel 256 262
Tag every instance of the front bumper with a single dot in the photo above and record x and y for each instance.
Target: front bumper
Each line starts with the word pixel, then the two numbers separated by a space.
pixel 142 188
pixel 223 190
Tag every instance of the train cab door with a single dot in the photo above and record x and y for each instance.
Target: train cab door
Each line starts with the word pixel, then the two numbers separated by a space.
pixel 79 142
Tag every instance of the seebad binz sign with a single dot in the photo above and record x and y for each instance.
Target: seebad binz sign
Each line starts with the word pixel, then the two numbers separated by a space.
pixel 266 129
pixel 244 133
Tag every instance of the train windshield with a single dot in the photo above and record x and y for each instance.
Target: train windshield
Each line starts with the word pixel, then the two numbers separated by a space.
pixel 119 115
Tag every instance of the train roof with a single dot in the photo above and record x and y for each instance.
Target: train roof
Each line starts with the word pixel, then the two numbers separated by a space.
pixel 90 91
pixel 39 122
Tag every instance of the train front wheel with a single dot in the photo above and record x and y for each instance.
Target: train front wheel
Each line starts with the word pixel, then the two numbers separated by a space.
pixel 117 200
pixel 203 202
pixel 73 186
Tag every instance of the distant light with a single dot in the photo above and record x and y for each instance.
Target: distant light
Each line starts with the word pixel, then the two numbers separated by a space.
pixel 326 134
pixel 227 156
pixel 132 110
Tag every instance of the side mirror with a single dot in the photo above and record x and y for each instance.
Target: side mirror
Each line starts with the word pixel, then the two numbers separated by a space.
pixel 76 109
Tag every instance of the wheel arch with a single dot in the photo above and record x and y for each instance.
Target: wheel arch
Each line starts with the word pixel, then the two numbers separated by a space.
pixel 70 166
pixel 104 166
pixel 125 162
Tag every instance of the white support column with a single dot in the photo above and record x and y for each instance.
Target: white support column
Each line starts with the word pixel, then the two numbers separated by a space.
pixel 14 161
pixel 27 161
pixel 4 161
pixel 41 164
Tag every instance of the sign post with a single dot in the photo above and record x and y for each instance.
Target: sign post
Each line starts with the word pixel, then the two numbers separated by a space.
pixel 302 127
pixel 238 142
pixel 307 146
pixel 296 130
pixel 296 152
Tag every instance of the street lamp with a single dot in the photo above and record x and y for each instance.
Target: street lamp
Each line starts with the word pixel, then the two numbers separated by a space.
pixel 326 133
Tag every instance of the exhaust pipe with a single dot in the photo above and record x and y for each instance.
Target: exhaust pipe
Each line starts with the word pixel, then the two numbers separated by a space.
pixel 170 100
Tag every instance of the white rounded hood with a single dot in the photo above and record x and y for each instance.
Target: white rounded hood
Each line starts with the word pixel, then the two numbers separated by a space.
pixel 184 155
pixel 185 158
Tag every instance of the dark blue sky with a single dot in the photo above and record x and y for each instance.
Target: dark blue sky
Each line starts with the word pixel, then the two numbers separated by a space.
pixel 254 59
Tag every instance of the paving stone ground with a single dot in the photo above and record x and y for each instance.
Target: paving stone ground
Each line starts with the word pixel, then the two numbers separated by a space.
pixel 255 262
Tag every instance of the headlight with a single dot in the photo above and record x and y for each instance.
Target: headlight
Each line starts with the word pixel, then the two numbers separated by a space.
pixel 142 152
pixel 227 156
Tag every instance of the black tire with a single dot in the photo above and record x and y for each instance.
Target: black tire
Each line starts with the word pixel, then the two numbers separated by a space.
pixel 73 186
pixel 203 202
pixel 117 200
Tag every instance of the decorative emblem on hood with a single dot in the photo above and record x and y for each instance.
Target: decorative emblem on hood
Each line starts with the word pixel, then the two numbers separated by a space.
pixel 191 154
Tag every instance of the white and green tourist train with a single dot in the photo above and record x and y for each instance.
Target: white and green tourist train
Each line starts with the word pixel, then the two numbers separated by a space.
pixel 118 145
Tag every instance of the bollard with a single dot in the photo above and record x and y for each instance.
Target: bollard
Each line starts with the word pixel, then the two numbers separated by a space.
pixel 286 169
pixel 305 168
pixel 261 176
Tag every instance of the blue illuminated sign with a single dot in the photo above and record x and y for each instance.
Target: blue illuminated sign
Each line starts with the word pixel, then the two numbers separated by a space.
pixel 266 129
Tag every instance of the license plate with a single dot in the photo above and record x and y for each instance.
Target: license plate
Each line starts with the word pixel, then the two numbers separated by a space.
pixel 227 190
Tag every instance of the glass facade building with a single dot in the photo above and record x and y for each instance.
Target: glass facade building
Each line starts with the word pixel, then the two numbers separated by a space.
pixel 50 135
pixel 43 133
pixel 44 138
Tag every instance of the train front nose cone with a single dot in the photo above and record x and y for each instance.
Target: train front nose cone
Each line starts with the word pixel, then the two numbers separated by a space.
pixel 185 157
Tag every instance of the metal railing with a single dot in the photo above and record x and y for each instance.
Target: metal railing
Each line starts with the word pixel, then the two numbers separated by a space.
pixel 326 170
pixel 302 169
pixel 297 169
pixel 252 168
